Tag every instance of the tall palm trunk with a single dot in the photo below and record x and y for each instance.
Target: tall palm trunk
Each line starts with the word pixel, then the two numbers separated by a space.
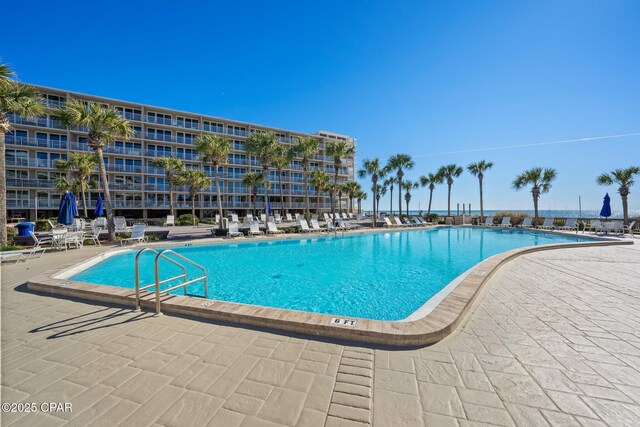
pixel 449 183
pixel 481 201
pixel 107 196
pixel 170 195
pixel 335 187
pixel 217 178
pixel 375 201
pixel 3 183
pixel 430 197
pixel 535 192
pixel 407 198
pixel 400 175
pixel 306 193
pixel 282 208
pixel 391 199
pixel 624 194
pixel 266 191
pixel 84 198
pixel 193 207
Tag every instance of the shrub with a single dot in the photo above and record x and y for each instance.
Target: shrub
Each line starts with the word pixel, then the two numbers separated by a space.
pixel 432 217
pixel 187 219
pixel 42 225
pixel 516 217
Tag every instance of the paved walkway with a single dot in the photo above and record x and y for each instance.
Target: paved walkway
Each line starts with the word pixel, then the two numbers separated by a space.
pixel 554 341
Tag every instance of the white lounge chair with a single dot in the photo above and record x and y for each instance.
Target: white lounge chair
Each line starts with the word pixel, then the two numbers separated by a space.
pixel 315 226
pixel 331 226
pixel 95 236
pixel 344 215
pixel 407 221
pixel 614 227
pixel 399 222
pixel 547 224
pixel 388 223
pixel 263 218
pixel 629 229
pixel 289 217
pixel 254 229
pixel 526 223
pixel 488 222
pixel 326 216
pixel 234 218
pixel 570 224
pixel 137 235
pixel 272 229
pixel 233 229
pixel 506 222
pixel 278 218
pixel 171 220
pixel 304 226
pixel 341 224
pixel 120 224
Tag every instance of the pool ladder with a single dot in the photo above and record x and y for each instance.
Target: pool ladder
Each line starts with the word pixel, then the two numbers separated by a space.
pixel 157 282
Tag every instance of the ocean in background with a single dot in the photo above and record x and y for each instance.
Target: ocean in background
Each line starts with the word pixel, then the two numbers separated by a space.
pixel 586 213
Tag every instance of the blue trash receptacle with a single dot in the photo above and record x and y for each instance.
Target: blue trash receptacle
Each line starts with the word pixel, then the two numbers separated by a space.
pixel 25 227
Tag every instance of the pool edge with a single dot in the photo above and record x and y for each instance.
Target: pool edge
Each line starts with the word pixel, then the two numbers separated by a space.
pixel 431 328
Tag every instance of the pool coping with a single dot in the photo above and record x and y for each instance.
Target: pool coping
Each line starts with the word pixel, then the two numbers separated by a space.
pixel 438 323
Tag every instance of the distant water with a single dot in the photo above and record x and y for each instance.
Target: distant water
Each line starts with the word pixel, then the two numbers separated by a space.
pixel 586 213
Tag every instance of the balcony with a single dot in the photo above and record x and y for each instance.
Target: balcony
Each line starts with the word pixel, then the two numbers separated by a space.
pixel 216 129
pixel 19 204
pixel 158 153
pixel 189 156
pixel 126 204
pixel 159 137
pixel 236 132
pixel 124 168
pixel 152 170
pixel 35 142
pixel 158 120
pixel 130 116
pixel 237 161
pixel 31 183
pixel 35 121
pixel 185 140
pixel 187 125
pixel 122 186
pixel 52 103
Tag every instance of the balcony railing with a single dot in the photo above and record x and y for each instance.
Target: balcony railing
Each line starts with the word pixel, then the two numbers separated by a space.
pixel 187 125
pixel 158 120
pixel 216 129
pixel 159 137
pixel 35 121
pixel 130 116
pixel 188 156
pixel 35 142
pixel 31 183
pixel 123 168
pixel 52 103
pixel 185 140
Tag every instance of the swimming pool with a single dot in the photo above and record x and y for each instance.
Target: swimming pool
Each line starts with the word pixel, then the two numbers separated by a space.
pixel 381 276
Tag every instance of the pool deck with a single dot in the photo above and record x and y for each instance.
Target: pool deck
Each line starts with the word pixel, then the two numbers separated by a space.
pixel 553 338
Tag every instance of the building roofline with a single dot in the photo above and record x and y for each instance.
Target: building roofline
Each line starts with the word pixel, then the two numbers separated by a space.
pixel 206 116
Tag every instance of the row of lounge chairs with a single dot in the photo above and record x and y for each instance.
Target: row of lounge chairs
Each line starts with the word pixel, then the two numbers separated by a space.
pixel 415 221
pixel 570 224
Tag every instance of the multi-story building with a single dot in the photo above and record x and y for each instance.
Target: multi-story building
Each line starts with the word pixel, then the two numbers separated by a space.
pixel 138 190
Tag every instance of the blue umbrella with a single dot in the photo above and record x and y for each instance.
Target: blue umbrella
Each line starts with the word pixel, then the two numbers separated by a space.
pixel 606 207
pixel 74 204
pixel 98 210
pixel 268 208
pixel 65 211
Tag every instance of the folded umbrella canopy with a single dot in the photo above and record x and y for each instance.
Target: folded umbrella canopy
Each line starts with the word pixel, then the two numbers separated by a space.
pixel 98 209
pixel 74 204
pixel 606 207
pixel 65 211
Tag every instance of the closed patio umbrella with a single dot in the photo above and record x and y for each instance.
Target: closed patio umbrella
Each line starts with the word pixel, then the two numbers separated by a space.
pixel 74 204
pixel 98 210
pixel 606 207
pixel 65 211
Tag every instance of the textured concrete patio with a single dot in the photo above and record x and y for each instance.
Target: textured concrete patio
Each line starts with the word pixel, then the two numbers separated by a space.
pixel 555 340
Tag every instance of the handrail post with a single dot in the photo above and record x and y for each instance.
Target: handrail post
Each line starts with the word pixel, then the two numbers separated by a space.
pixel 157 277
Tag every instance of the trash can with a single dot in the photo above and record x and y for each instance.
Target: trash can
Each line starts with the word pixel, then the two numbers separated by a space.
pixel 225 223
pixel 25 227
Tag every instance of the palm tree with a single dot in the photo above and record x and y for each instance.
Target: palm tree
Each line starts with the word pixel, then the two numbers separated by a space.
pixel 215 151
pixel 400 163
pixel 252 180
pixel 351 188
pixel 540 181
pixel 431 180
pixel 625 179
pixel 382 190
pixel 372 167
pixel 15 98
pixel 307 149
pixel 173 167
pixel 281 161
pixel 321 180
pixel 264 146
pixel 478 169
pixel 360 197
pixel 104 125
pixel 449 172
pixel 197 180
pixel 83 165
pixel 389 182
pixel 338 150
pixel 408 186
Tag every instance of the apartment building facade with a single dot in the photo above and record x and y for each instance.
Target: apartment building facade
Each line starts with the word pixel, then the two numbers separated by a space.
pixel 139 190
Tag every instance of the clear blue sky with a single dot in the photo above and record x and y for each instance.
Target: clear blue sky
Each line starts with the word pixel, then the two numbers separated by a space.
pixel 413 76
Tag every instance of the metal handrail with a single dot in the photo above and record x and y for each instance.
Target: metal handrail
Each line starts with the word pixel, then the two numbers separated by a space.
pixel 163 254
pixel 137 274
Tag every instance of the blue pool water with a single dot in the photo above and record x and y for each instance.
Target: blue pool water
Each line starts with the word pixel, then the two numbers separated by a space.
pixel 384 276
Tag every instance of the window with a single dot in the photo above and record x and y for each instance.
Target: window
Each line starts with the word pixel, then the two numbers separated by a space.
pixel 163 119
pixel 237 159
pixel 213 127
pixel 185 138
pixel 52 140
pixel 17 174
pixel 129 113
pixel 158 150
pixel 17 157
pixel 48 160
pixel 238 145
pixel 187 154
pixel 236 130
pixel 186 122
pixel 54 101
pixel 158 134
